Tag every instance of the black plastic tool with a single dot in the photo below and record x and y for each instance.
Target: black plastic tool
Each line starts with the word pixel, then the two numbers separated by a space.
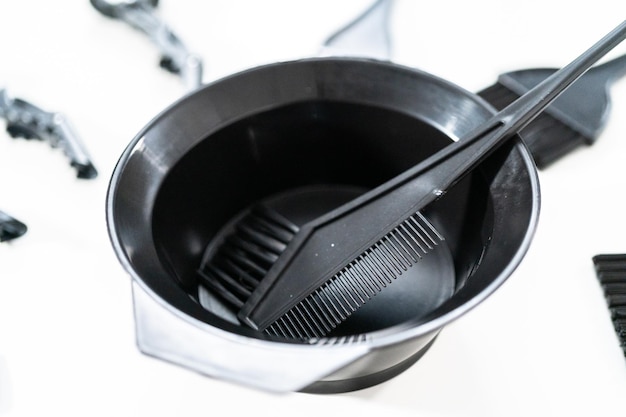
pixel 10 228
pixel 574 119
pixel 27 121
pixel 611 273
pixel 335 263
pixel 142 15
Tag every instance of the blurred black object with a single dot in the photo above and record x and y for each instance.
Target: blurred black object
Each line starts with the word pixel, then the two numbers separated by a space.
pixel 142 15
pixel 10 228
pixel 611 272
pixel 27 121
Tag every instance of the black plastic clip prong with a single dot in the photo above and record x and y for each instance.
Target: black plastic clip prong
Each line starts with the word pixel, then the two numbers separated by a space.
pixel 27 121
pixel 10 228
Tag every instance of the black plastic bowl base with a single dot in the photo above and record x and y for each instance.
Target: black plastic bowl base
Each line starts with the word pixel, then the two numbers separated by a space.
pixel 367 381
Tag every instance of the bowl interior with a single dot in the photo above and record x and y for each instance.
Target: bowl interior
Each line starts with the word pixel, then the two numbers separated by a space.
pixel 306 159
pixel 333 132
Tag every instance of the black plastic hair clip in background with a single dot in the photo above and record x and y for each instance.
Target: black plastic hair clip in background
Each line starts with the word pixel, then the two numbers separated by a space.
pixel 10 228
pixel 611 272
pixel 27 121
pixel 142 15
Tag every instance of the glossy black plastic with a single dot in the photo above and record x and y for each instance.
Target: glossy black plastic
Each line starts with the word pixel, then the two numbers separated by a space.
pixel 574 119
pixel 10 228
pixel 282 130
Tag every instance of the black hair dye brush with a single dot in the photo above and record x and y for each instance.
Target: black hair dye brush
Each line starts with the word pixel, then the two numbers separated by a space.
pixel 320 273
pixel 574 119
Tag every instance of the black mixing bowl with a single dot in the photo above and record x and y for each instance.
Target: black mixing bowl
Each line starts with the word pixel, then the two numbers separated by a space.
pixel 304 137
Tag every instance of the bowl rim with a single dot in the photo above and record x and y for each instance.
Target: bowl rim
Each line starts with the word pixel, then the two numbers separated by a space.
pixel 392 335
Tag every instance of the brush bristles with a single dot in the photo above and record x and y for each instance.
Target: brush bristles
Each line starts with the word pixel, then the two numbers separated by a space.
pixel 246 255
pixel 377 267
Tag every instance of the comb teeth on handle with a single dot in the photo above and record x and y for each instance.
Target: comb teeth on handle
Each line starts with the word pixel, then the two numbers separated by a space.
pixel 333 302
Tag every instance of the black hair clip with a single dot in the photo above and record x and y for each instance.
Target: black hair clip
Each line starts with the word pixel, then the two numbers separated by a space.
pixel 142 15
pixel 27 121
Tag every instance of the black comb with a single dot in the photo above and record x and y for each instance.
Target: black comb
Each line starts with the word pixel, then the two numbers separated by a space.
pixel 611 273
pixel 355 284
pixel 576 118
pixel 343 251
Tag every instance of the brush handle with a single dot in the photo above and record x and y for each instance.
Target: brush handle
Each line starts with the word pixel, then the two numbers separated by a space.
pixel 325 245
pixel 490 134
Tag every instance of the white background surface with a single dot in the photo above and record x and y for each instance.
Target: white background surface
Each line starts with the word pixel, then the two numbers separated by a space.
pixel 541 345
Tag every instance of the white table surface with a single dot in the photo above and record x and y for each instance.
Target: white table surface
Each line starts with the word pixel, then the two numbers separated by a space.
pixel 543 344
